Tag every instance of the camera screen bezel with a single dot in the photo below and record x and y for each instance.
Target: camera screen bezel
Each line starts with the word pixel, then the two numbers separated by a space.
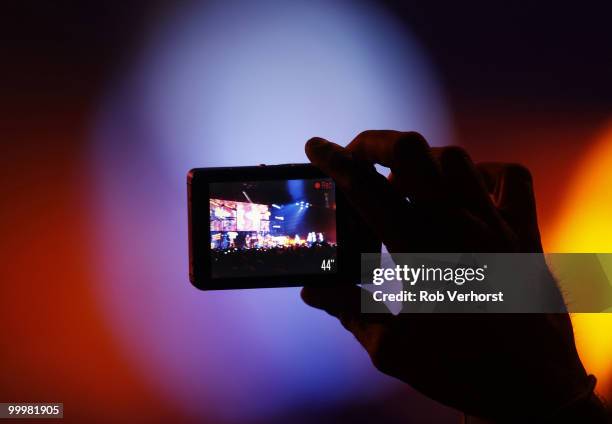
pixel 200 269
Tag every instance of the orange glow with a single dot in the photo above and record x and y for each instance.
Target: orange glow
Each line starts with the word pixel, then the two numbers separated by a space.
pixel 585 225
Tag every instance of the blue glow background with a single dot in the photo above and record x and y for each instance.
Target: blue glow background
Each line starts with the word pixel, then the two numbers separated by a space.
pixel 240 83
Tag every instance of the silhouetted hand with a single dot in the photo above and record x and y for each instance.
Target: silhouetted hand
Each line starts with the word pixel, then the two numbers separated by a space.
pixel 506 367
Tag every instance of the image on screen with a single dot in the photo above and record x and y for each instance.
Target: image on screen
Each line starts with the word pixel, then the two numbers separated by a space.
pixel 272 228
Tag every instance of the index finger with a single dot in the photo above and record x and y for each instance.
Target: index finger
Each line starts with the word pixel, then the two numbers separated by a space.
pixel 386 212
pixel 377 146
pixel 416 173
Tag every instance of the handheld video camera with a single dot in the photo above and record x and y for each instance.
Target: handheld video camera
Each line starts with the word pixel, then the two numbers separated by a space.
pixel 271 226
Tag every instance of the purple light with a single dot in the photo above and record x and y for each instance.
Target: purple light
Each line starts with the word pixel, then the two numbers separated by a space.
pixel 240 84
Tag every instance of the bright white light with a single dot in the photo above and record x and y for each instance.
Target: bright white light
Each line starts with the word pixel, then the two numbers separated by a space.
pixel 240 83
pixel 255 90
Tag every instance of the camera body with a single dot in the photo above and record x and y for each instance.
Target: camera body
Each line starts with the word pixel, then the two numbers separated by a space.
pixel 271 226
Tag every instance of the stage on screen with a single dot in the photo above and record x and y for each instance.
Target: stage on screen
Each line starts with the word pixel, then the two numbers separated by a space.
pixel 269 228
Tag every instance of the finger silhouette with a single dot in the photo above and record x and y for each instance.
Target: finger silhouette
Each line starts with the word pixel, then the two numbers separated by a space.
pixel 414 171
pixel 385 212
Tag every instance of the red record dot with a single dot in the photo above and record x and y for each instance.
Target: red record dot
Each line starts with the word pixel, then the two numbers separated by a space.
pixel 317 185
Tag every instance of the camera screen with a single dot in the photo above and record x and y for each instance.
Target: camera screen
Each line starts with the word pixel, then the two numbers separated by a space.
pixel 271 228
